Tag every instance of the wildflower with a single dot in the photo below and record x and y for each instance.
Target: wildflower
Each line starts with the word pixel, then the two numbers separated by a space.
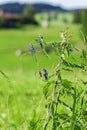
pixel 32 48
pixel 45 73
pixel 63 36
pixel 40 38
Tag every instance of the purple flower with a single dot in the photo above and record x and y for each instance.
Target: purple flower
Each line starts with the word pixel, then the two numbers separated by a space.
pixel 45 73
pixel 32 48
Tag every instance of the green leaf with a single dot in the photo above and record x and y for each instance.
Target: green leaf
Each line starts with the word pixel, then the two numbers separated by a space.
pixel 67 84
pixel 82 101
pixel 45 91
pixel 4 75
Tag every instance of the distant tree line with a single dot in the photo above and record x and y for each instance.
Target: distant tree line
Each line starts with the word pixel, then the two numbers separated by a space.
pixel 27 15
pixel 77 16
pixel 80 16
pixel 11 20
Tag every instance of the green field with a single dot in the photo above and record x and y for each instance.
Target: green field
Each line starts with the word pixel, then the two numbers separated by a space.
pixel 15 39
pixel 21 96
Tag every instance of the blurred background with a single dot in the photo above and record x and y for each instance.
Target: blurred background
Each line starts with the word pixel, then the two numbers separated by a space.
pixel 45 13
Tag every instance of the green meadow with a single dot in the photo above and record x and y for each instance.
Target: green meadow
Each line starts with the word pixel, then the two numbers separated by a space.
pixel 12 40
pixel 21 88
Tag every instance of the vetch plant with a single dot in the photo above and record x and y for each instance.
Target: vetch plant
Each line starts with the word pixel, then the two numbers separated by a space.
pixel 44 73
pixel 58 90
pixel 32 48
pixel 65 96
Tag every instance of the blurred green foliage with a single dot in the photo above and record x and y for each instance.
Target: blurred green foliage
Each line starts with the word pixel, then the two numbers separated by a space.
pixel 84 23
pixel 77 16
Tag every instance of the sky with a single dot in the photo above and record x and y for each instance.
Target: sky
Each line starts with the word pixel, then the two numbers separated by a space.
pixel 69 4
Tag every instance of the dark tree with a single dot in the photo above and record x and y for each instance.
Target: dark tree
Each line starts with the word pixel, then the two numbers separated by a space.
pixel 29 11
pixel 77 16
pixel 27 16
pixel 84 23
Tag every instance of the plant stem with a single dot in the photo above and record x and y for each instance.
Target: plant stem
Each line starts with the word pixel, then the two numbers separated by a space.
pixel 73 111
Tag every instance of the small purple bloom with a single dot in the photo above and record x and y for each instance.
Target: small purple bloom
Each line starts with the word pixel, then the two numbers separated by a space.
pixel 45 73
pixel 32 48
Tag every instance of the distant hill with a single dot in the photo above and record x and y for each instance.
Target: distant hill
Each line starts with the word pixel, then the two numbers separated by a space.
pixel 12 7
pixel 18 8
pixel 47 7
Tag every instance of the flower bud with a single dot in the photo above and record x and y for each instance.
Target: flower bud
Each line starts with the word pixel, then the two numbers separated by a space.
pixel 45 73
pixel 32 48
